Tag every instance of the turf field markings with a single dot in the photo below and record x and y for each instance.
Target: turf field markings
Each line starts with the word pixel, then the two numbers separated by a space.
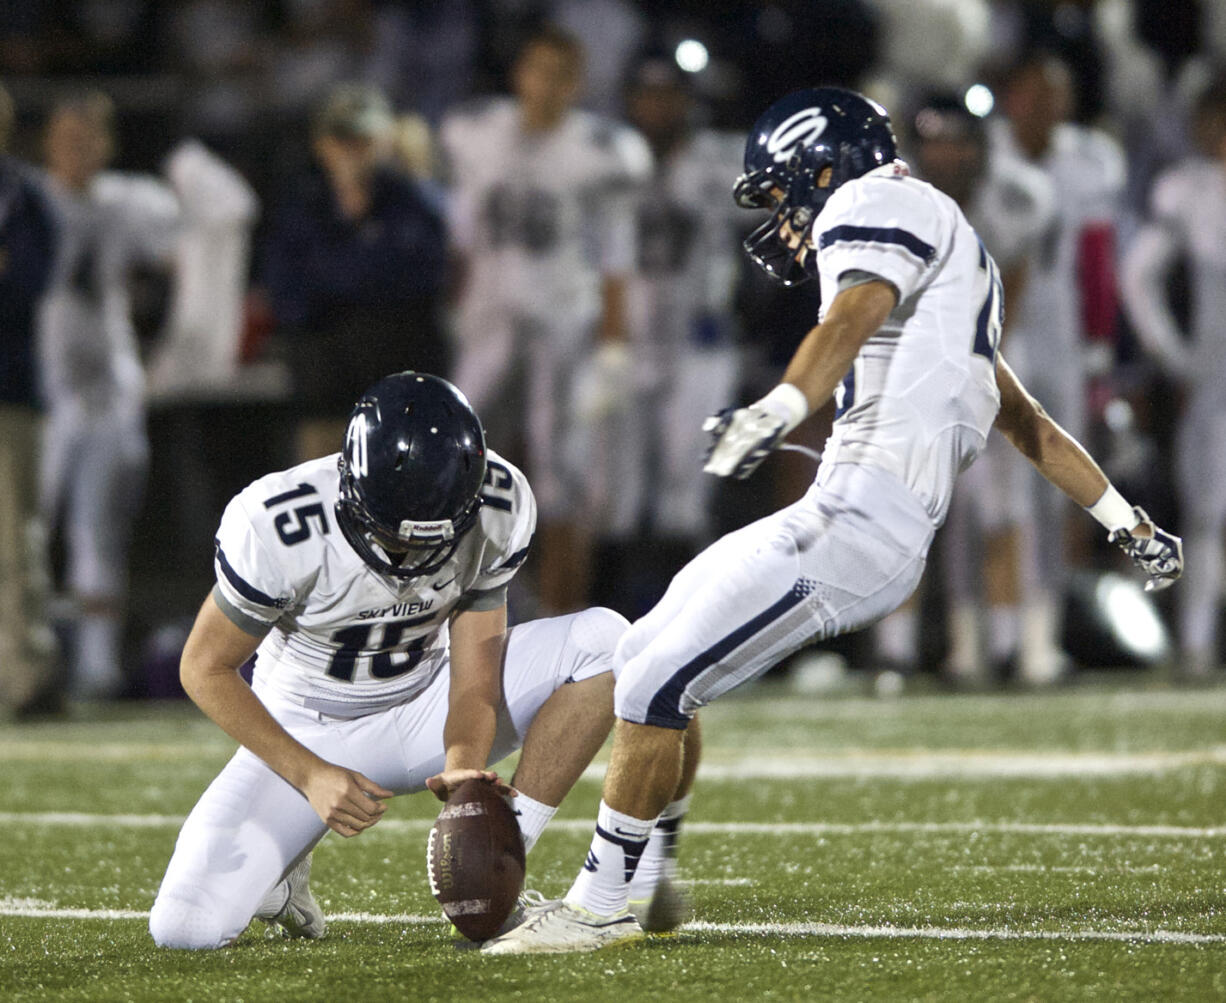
pixel 390 825
pixel 41 910
pixel 952 933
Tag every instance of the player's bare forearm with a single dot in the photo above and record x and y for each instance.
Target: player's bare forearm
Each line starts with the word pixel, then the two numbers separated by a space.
pixel 216 648
pixel 828 350
pixel 477 638
pixel 1035 434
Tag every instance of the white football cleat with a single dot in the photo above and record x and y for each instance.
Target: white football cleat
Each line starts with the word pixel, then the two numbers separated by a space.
pixel 666 909
pixel 560 928
pixel 297 913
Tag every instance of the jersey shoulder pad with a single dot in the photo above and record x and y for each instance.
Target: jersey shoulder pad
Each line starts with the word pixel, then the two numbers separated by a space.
pixel 469 123
pixel 508 510
pixel 625 152
pixel 273 535
pixel 897 212
pixel 1099 155
pixel 1024 189
pixel 1177 190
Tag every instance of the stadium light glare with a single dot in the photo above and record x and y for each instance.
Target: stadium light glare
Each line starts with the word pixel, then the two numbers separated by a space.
pixel 979 100
pixel 692 56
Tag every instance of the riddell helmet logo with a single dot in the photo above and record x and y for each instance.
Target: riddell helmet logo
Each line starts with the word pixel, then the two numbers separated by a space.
pixel 795 131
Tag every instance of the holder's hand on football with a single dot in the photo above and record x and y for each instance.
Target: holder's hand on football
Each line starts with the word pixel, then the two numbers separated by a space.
pixel 1159 555
pixel 442 785
pixel 741 438
pixel 348 802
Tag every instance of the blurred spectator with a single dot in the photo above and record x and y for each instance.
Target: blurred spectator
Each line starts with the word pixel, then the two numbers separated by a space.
pixel 544 221
pixel 28 241
pixel 354 267
pixel 1188 220
pixel 199 350
pixel 683 332
pixel 1063 324
pixel 1010 204
pixel 96 451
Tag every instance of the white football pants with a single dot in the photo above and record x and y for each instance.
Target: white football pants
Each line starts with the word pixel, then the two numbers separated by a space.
pixel 849 552
pixel 250 826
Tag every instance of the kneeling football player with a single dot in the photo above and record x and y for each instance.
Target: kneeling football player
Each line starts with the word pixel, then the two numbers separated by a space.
pixel 375 603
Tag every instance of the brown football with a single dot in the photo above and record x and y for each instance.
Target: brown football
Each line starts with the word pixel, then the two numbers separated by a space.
pixel 475 859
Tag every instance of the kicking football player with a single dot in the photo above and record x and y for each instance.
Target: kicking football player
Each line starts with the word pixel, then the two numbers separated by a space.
pixel 907 345
pixel 375 603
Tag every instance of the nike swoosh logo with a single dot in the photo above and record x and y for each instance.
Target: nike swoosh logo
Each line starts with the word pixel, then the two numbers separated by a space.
pixel 443 585
pixel 628 835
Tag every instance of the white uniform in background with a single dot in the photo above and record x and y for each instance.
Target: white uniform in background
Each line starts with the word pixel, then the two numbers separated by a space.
pixel 199 350
pixel 680 309
pixel 355 666
pixel 1047 338
pixel 1188 217
pixel 96 453
pixel 914 410
pixel 1011 208
pixel 541 218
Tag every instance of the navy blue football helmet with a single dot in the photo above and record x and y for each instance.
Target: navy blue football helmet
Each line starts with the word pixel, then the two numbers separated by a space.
pixel 790 145
pixel 411 473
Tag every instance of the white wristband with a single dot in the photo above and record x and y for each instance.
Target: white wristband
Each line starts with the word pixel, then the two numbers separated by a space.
pixel 1112 511
pixel 787 403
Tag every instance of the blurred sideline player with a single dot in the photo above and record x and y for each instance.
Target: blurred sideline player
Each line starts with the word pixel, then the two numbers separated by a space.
pixel 96 453
pixel 1009 204
pixel 1188 218
pixel 543 220
pixel 371 586
pixel 1062 327
pixel 907 345
pixel 29 240
pixel 679 308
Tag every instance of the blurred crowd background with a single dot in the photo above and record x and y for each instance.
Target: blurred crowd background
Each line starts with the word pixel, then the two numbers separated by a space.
pixel 221 220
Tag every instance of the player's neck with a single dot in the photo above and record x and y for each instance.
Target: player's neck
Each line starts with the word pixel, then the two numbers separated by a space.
pixel 534 119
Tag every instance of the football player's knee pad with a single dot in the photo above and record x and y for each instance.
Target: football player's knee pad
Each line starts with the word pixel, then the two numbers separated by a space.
pixel 186 925
pixel 594 633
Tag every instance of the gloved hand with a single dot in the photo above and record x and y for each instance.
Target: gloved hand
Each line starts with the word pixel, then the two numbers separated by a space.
pixel 1160 556
pixel 741 438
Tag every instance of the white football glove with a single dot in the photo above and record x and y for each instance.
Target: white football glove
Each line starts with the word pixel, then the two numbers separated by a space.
pixel 741 438
pixel 1160 556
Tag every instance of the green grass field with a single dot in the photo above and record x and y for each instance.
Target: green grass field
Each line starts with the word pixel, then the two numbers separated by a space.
pixel 1053 846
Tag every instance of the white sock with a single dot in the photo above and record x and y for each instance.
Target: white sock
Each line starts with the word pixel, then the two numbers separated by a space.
pixel 533 816
pixel 964 662
pixel 603 885
pixel 659 860
pixel 95 667
pixel 1005 630
pixel 896 638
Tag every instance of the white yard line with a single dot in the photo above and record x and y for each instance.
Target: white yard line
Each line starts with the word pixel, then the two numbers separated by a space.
pixel 389 825
pixel 42 910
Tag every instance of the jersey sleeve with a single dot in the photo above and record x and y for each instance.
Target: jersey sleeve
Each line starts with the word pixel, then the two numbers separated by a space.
pixel 252 588
pixel 882 227
pixel 628 170
pixel 1166 203
pixel 509 518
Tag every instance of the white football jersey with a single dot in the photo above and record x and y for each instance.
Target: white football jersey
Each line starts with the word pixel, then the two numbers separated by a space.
pixel 345 639
pixel 1086 170
pixel 1012 208
pixel 687 240
pixel 542 216
pixel 921 395
pixel 1188 215
pixel 87 345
